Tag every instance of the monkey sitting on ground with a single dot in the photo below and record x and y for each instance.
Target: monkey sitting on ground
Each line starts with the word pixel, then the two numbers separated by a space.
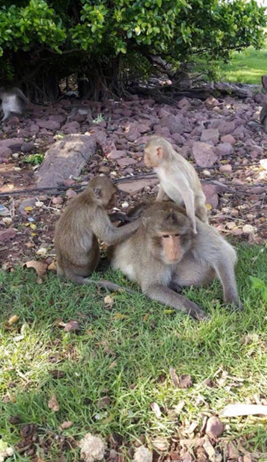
pixel 13 101
pixel 164 255
pixel 83 222
pixel 178 178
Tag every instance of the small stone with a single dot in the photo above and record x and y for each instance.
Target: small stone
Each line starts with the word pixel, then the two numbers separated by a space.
pixel 226 168
pixel 214 427
pixel 204 154
pixel 248 229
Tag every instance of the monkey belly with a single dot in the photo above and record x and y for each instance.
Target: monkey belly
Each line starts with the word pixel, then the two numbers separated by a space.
pixel 190 272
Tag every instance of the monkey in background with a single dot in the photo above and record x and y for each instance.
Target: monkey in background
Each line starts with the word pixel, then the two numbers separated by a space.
pixel 165 255
pixel 83 222
pixel 13 101
pixel 178 178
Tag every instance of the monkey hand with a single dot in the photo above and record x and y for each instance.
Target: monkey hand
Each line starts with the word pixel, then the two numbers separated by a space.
pixel 196 312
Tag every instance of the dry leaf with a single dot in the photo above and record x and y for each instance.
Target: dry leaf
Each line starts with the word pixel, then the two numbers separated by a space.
pixel 39 267
pixel 233 410
pixel 209 449
pixel 119 316
pixel 109 300
pixel 179 407
pixel 53 403
pixel 28 208
pixel 174 377
pixel 185 381
pixel 160 443
pixel 13 319
pixel 155 408
pixel 71 326
pixel 66 424
pixel 52 266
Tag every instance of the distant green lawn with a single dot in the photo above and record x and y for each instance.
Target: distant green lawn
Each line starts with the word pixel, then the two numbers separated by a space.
pixel 245 67
pixel 125 352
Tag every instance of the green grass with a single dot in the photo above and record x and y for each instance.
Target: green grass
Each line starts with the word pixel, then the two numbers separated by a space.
pixel 127 357
pixel 245 67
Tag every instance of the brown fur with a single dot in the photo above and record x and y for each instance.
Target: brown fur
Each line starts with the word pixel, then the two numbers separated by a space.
pixel 83 222
pixel 199 258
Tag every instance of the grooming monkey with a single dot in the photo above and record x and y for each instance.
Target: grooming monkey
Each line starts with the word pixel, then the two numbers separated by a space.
pixel 13 101
pixel 178 178
pixel 164 254
pixel 83 222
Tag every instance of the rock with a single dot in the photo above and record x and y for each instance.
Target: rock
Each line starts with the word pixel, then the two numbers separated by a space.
pixel 65 158
pixel 5 152
pixel 224 149
pixel 29 202
pixel 162 131
pixel 226 127
pixel 71 127
pixel 132 135
pixel 173 123
pixel 248 229
pixel 116 154
pixel 126 161
pixel 210 134
pixel 214 427
pixel 184 104
pixel 12 143
pixel 93 448
pixel 228 139
pixel 7 234
pixel 48 124
pixel 133 187
pixel 14 120
pixel 27 147
pixel 204 154
pixel 142 454
pixel 227 168
pixel 163 113
pixel 210 192
pixel 211 102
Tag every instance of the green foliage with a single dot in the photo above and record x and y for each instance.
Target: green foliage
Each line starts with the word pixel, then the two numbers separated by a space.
pixel 101 30
pixel 259 286
pixel 34 159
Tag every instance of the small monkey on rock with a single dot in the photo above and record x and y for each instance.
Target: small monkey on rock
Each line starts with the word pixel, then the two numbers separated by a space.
pixel 178 178
pixel 165 255
pixel 83 222
pixel 13 101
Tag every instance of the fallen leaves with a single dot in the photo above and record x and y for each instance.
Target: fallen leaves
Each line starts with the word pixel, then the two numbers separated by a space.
pixel 53 403
pixel 155 408
pixel 183 381
pixel 39 267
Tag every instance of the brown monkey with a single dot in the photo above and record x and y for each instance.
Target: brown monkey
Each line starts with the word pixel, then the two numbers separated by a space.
pixel 13 101
pixel 178 178
pixel 164 254
pixel 83 222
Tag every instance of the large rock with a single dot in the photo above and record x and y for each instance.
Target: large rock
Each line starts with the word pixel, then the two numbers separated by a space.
pixel 133 187
pixel 204 154
pixel 65 158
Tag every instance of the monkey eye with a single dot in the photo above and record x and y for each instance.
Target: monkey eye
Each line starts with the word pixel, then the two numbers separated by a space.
pixel 166 236
pixel 177 235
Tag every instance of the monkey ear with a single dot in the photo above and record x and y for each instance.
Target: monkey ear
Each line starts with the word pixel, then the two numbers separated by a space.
pixel 160 152
pixel 97 193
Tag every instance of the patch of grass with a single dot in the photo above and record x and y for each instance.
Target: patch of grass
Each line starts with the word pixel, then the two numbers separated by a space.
pixel 245 67
pixel 125 352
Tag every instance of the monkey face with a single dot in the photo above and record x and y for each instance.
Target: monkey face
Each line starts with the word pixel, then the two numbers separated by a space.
pixel 153 155
pixel 171 232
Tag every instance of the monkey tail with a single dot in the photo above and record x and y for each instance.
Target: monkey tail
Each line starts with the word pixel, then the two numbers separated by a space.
pixel 108 285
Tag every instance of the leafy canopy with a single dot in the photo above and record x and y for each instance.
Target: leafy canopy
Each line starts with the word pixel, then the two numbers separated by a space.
pixel 174 29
